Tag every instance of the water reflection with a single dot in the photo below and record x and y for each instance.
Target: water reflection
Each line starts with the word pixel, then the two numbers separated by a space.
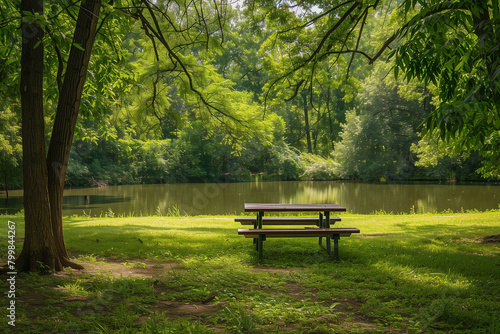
pixel 228 198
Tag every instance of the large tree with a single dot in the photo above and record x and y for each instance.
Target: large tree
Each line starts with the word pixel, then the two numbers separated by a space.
pixel 44 174
pixel 378 134
pixel 172 28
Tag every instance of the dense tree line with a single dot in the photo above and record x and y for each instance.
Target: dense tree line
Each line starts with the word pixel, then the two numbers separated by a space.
pixel 364 126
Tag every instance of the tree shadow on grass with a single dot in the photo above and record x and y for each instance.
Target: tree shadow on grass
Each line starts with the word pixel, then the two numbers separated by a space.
pixel 164 242
pixel 422 279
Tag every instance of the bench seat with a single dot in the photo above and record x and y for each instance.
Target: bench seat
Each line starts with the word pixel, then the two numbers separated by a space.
pixel 284 220
pixel 330 233
pixel 298 232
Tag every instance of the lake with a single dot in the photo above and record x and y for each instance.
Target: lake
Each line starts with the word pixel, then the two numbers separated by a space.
pixel 228 198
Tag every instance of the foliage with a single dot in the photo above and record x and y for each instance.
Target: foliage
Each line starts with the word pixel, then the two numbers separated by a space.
pixel 443 161
pixel 307 39
pixel 453 45
pixel 195 154
pixel 457 60
pixel 239 60
pixel 377 136
pixel 318 168
pixel 10 148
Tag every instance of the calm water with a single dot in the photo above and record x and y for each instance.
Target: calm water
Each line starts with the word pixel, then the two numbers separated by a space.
pixel 228 198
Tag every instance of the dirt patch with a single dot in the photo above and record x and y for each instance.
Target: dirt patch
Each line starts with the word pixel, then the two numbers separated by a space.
pixel 294 290
pixel 352 309
pixel 122 268
pixel 491 239
pixel 345 308
pixel 192 310
pixel 140 268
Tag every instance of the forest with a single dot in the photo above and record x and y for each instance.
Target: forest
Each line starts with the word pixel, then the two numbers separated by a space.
pixel 248 103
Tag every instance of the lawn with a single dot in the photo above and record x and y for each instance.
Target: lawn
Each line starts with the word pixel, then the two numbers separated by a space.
pixel 402 274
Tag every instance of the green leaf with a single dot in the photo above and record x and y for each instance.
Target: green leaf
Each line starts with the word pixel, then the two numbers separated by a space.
pixel 78 46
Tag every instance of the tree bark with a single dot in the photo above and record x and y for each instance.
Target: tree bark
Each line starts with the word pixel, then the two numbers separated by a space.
pixel 38 247
pixel 306 120
pixel 66 117
pixel 44 175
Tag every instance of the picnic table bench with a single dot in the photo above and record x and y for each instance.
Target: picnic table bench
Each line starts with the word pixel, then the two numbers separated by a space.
pixel 323 223
pixel 284 221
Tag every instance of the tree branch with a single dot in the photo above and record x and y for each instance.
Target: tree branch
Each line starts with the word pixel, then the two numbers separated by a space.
pixel 60 61
pixel 297 87
pixel 350 51
pixel 329 32
pixel 308 23
pixel 157 32
pixel 357 42
pixel 444 6
pixel 316 51
pixel 385 46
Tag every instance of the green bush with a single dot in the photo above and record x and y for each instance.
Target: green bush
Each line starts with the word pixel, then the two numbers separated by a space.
pixel 318 168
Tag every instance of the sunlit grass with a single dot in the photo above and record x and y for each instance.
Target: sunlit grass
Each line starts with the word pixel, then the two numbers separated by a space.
pixel 403 273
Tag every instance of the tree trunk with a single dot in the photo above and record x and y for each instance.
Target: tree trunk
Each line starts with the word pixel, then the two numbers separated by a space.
pixel 66 117
pixel 306 120
pixel 38 247
pixel 43 175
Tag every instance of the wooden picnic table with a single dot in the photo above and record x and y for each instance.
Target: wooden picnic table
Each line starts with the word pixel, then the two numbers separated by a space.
pixel 325 209
pixel 323 222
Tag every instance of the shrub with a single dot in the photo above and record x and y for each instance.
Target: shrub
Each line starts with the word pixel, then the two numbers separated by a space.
pixel 318 168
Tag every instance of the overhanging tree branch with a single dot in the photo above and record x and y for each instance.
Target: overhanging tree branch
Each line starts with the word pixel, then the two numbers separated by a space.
pixel 314 19
pixel 444 6
pixel 321 50
pixel 314 53
pixel 357 42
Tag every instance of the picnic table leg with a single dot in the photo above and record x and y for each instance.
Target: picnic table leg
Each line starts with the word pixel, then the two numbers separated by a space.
pixel 320 239
pixel 336 238
pixel 258 224
pixel 259 219
pixel 260 243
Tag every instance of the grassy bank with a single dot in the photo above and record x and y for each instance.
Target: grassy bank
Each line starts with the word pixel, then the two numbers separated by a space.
pixel 403 274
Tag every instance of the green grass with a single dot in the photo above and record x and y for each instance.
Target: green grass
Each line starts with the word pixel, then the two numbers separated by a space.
pixel 404 273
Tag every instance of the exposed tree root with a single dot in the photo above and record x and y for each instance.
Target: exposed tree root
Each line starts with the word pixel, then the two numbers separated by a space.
pixel 68 263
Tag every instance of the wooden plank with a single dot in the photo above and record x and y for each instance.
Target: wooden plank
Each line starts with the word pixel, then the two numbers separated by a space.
pixel 308 232
pixel 255 236
pixel 304 230
pixel 284 221
pixel 270 207
pixel 260 235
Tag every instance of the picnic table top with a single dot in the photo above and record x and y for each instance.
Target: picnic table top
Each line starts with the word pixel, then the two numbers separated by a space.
pixel 268 207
